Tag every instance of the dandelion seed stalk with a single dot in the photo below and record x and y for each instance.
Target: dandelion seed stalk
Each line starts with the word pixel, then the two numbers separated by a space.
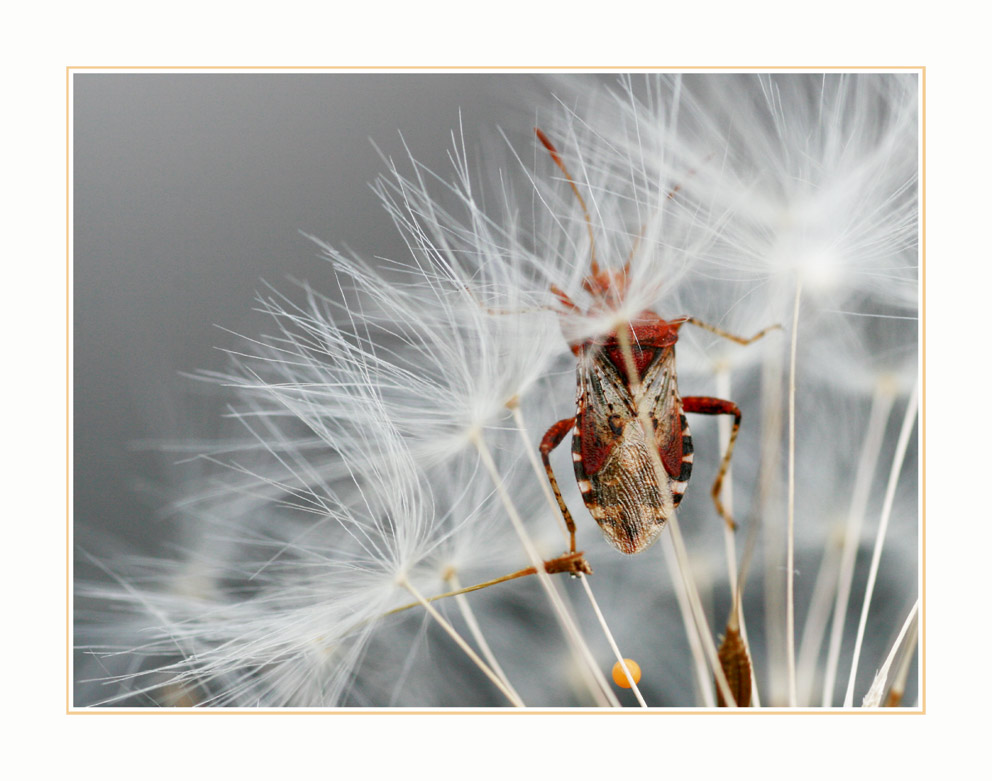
pixel 647 429
pixel 556 512
pixel 882 401
pixel 727 489
pixel 513 698
pixel 699 661
pixel 597 682
pixel 613 643
pixel 909 648
pixel 469 615
pixel 874 696
pixel 790 563
pixel 909 421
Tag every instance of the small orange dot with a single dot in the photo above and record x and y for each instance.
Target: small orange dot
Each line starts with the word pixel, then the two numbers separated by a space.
pixel 620 677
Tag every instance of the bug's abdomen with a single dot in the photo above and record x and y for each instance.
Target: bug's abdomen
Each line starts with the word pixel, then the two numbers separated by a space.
pixel 624 495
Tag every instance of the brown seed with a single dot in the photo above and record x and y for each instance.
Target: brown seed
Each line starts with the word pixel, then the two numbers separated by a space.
pixel 736 666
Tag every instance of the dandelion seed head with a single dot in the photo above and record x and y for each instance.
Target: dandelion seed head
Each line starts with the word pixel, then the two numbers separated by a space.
pixel 818 268
pixel 832 194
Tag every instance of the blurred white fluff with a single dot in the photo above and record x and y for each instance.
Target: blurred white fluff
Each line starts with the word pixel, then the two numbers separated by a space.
pixel 723 192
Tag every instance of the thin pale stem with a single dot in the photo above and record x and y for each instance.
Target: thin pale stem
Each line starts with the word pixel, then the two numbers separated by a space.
pixel 908 422
pixel 878 418
pixel 613 643
pixel 770 521
pixel 541 477
pixel 473 626
pixel 737 614
pixel 771 429
pixel 702 626
pixel 515 700
pixel 817 617
pixel 695 644
pixel 727 487
pixel 597 683
pixel 790 554
pixel 910 647
pixel 682 556
pixel 874 697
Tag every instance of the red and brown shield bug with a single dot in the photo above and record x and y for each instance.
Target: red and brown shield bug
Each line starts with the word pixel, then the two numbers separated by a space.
pixel 617 374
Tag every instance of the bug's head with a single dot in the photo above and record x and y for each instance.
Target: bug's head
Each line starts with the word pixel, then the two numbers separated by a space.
pixel 608 287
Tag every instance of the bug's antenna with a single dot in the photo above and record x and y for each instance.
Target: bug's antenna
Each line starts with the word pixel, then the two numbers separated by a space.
pixel 594 266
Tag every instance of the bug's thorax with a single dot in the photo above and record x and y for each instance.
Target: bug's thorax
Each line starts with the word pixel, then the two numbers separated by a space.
pixel 645 337
pixel 645 331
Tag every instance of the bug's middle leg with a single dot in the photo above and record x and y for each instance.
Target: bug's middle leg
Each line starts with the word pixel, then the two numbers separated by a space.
pixel 705 405
pixel 743 340
pixel 552 438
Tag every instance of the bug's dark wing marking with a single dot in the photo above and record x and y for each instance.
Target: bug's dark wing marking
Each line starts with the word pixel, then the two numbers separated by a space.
pixel 660 394
pixel 605 403
pixel 671 429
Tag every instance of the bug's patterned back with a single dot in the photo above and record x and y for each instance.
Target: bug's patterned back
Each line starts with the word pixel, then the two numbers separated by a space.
pixel 613 466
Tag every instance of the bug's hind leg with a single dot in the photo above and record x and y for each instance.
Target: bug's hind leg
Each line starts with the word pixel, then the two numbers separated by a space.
pixel 552 438
pixel 704 405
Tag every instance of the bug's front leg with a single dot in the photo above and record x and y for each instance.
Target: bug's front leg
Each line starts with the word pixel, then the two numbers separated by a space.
pixel 552 438
pixel 704 405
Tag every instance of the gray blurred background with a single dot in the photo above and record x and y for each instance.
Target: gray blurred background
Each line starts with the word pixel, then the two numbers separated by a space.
pixel 191 188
